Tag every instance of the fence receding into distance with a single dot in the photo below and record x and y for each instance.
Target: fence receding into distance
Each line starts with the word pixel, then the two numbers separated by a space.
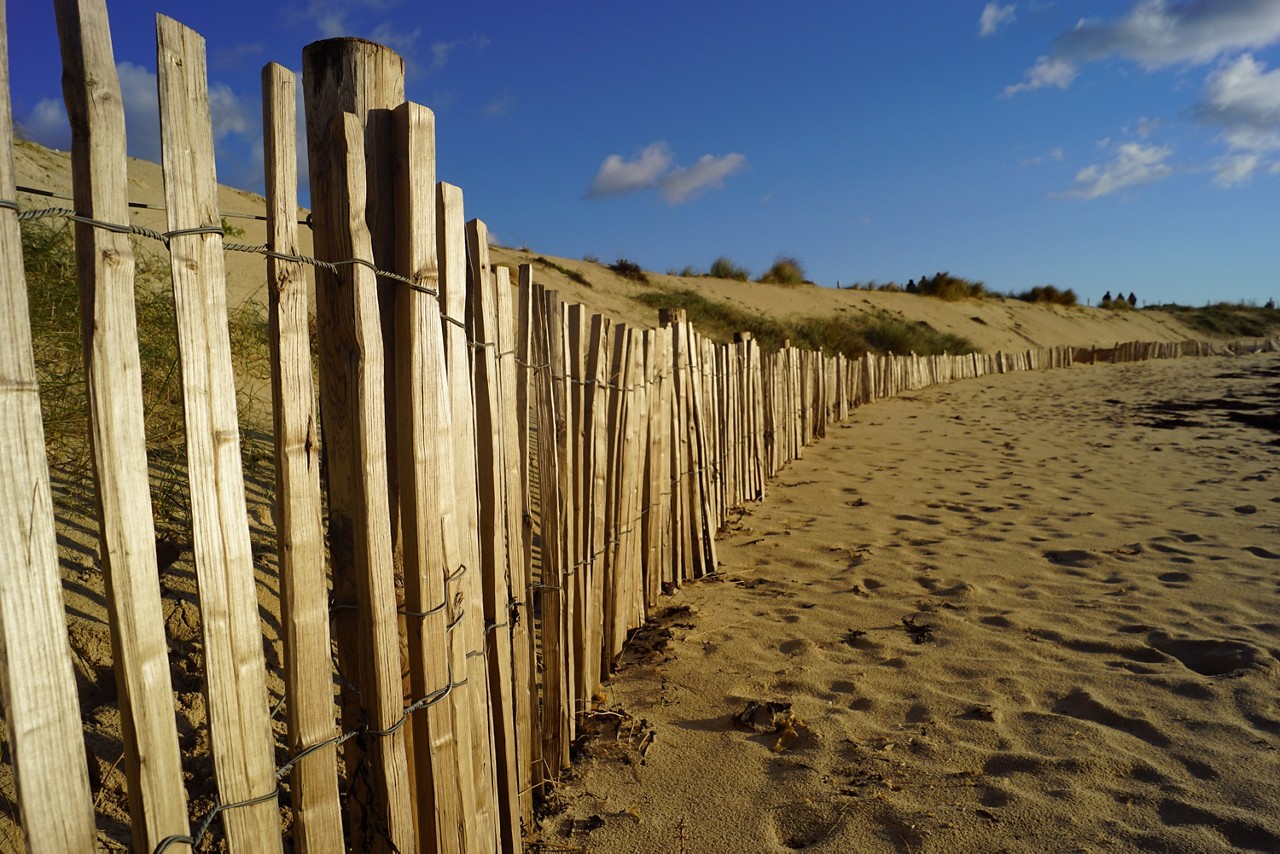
pixel 510 483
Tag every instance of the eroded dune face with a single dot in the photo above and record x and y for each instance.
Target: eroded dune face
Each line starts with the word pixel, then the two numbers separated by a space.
pixel 1103 602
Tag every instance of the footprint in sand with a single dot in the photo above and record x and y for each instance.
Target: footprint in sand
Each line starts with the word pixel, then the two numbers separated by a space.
pixel 1074 558
pixel 1081 704
pixel 1209 657
pixel 1258 551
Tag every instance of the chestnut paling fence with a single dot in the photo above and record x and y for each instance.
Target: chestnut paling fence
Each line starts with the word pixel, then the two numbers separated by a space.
pixel 511 483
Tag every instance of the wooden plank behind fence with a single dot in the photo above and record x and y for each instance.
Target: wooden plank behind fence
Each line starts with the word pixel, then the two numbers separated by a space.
pixel 428 499
pixel 304 584
pixel 557 710
pixel 575 345
pixel 386 814
pixel 514 443
pixel 117 434
pixel 470 663
pixel 42 714
pixel 526 397
pixel 482 317
pixel 235 671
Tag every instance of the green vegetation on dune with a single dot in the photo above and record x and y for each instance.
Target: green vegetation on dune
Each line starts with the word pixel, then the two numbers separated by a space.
pixel 1049 294
pixel 880 333
pixel 48 252
pixel 1225 319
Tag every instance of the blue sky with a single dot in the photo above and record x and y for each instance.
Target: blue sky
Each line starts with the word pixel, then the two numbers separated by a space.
pixel 1123 145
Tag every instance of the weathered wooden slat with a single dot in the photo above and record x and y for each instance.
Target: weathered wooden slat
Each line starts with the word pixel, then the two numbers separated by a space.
pixel 514 443
pixel 388 819
pixel 235 670
pixel 494 564
pixel 42 714
pixel 597 459
pixel 470 662
pixel 575 322
pixel 304 593
pixel 353 76
pixel 557 709
pixel 527 372
pixel 117 436
pixel 427 491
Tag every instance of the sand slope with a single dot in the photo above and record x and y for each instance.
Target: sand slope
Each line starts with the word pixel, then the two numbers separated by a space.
pixel 1103 673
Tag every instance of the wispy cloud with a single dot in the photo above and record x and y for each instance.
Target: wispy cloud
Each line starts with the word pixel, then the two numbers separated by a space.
pixel 685 183
pixel 441 52
pixel 331 17
pixel 994 17
pixel 499 107
pixel 1134 164
pixel 1156 34
pixel 653 168
pixel 1048 71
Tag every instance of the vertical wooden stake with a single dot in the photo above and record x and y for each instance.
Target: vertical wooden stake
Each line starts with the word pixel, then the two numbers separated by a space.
pixel 470 661
pixel 42 713
pixel 304 594
pixel 235 670
pixel 427 498
pixel 117 436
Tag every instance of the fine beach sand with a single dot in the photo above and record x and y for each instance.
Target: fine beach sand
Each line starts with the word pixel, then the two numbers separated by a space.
pixel 1104 598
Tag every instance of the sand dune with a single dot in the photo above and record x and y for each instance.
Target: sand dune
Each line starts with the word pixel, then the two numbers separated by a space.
pixel 1095 598
pixel 990 324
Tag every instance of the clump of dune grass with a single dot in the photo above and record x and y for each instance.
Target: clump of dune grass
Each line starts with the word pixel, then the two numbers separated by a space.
pixel 724 268
pixel 951 288
pixel 1049 294
pixel 786 270
pixel 629 270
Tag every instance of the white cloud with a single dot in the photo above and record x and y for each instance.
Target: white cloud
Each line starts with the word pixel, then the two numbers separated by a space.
pixel 617 176
pixel 994 17
pixel 393 35
pixel 330 16
pixel 683 184
pixel 1242 94
pixel 1048 71
pixel 1243 98
pixel 47 122
pixel 653 168
pixel 1156 34
pixel 1231 170
pixel 1134 164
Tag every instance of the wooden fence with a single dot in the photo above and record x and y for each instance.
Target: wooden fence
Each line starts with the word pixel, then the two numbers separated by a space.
pixel 511 483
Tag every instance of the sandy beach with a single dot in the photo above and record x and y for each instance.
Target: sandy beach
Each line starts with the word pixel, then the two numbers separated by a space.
pixel 1032 612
